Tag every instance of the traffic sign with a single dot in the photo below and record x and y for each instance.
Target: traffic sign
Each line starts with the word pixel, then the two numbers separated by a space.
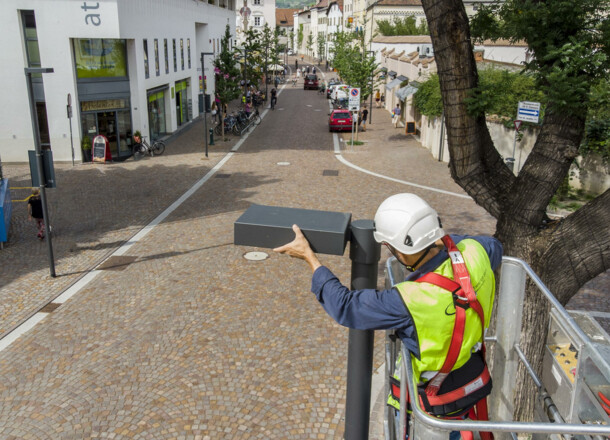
pixel 528 111
pixel 354 99
pixel 518 124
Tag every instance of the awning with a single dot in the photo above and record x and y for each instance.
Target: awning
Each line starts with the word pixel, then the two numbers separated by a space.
pixel 392 84
pixel 405 92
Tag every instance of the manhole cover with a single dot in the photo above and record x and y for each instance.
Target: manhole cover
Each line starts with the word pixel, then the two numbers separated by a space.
pixel 283 164
pixel 256 256
pixel 330 172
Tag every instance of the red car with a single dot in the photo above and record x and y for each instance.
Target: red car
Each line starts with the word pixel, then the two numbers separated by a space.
pixel 311 82
pixel 340 120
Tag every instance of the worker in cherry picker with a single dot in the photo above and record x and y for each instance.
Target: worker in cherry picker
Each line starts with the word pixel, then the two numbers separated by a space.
pixel 448 292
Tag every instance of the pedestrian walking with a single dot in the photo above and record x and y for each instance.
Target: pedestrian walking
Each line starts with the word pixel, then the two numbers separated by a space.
pixel 363 115
pixel 296 64
pixel 302 56
pixel 383 99
pixel 273 98
pixel 35 212
pixel 299 73
pixel 396 116
pixel 308 69
pixel 377 98
pixel 428 309
pixel 277 81
pixel 214 111
pixel 313 70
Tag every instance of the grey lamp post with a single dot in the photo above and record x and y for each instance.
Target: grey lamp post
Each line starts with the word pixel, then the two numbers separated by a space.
pixel 205 116
pixel 39 165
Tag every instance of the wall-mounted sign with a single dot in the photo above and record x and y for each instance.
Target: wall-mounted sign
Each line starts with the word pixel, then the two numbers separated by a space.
pixel 103 104
pixel 101 149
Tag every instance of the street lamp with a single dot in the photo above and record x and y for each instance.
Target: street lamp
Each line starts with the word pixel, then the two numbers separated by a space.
pixel 372 88
pixel 29 71
pixel 205 116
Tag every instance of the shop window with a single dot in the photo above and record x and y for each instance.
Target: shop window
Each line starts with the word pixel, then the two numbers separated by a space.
pixel 100 58
pixel 156 115
pixel 166 56
pixel 175 59
pixel 157 68
pixel 182 53
pixel 145 58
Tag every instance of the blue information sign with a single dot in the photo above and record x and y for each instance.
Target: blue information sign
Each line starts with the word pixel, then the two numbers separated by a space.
pixel 6 208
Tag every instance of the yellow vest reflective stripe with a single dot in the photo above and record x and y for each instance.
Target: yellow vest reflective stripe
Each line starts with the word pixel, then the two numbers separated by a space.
pixel 433 313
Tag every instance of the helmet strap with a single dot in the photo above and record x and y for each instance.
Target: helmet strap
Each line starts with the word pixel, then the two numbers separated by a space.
pixel 419 260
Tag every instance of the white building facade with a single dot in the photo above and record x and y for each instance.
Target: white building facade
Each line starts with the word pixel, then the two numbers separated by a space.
pixel 335 24
pixel 126 66
pixel 260 12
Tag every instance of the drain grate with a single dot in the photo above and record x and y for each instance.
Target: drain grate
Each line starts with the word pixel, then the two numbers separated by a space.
pixel 50 308
pixel 330 172
pixel 117 263
pixel 222 176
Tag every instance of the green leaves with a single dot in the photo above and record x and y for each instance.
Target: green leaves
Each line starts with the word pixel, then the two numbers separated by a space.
pixel 354 64
pixel 427 99
pixel 402 26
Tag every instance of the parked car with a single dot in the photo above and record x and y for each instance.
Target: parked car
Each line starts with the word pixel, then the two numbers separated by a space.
pixel 341 103
pixel 339 92
pixel 290 52
pixel 331 83
pixel 340 120
pixel 311 82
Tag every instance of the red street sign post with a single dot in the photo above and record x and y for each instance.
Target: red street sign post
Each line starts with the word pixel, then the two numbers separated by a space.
pixel 518 124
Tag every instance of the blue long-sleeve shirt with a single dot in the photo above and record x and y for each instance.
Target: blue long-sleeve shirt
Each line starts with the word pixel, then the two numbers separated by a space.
pixel 371 309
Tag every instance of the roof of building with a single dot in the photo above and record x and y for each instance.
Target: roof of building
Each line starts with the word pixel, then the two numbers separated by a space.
pixel 338 2
pixel 285 16
pixel 395 39
pixel 321 4
pixel 396 3
pixel 425 39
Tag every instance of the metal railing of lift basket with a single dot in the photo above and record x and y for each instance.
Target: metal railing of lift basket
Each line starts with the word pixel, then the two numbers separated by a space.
pixel 506 344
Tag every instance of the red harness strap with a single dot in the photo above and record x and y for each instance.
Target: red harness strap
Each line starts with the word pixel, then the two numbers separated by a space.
pixel 462 285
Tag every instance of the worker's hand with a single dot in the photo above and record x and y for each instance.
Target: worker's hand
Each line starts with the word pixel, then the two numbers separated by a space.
pixel 300 248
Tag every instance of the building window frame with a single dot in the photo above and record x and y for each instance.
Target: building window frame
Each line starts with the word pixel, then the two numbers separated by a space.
pixel 257 20
pixel 145 48
pixel 166 56
pixel 188 50
pixel 157 65
pixel 182 53
pixel 175 55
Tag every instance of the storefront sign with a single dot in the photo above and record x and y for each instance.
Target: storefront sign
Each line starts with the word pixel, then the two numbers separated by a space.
pixel 93 19
pixel 104 104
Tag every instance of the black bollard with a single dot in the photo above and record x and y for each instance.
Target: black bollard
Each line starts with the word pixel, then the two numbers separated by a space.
pixel 365 254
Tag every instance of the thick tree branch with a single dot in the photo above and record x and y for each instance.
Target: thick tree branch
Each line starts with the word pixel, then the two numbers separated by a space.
pixel 475 163
pixel 578 248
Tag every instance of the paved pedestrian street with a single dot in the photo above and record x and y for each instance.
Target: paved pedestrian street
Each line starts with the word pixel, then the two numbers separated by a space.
pixel 178 336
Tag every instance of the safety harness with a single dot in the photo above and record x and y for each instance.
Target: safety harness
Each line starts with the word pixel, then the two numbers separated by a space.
pixel 469 395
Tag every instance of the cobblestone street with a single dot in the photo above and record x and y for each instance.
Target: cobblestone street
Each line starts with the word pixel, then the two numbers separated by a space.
pixel 180 337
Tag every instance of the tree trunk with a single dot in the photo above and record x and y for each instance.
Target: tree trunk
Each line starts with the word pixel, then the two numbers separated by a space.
pixel 564 254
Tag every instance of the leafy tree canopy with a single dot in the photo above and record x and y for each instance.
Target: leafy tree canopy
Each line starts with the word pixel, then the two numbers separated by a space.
pixel 402 26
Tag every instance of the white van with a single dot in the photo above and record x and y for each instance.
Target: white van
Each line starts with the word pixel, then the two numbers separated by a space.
pixel 339 91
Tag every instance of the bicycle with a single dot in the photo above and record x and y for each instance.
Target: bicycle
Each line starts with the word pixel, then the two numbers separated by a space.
pixel 230 124
pixel 141 148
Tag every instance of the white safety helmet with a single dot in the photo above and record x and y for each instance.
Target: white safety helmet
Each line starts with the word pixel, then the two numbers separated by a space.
pixel 407 223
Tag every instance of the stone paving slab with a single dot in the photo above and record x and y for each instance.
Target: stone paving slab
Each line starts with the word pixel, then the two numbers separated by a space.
pixel 189 339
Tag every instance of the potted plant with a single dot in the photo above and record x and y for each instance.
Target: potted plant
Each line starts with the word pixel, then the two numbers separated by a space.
pixel 86 147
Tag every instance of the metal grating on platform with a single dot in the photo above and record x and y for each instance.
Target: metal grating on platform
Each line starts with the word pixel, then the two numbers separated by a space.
pixel 117 263
pixel 330 172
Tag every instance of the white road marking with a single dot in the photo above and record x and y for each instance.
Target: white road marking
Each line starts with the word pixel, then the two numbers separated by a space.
pixel 29 323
